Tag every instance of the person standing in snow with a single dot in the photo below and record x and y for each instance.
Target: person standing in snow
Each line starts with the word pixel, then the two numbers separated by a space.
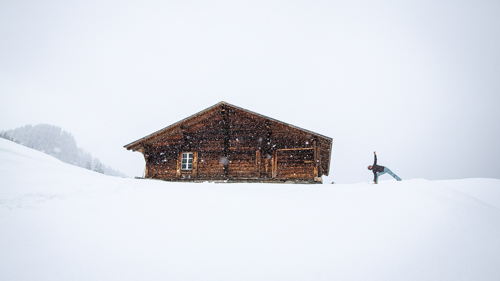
pixel 380 170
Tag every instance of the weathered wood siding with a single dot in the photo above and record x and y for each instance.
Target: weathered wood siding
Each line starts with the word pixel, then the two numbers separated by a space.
pixel 295 163
pixel 231 143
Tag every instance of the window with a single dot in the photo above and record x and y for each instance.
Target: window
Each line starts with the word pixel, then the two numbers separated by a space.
pixel 187 161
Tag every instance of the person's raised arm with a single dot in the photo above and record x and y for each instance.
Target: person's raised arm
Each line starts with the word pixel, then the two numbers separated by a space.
pixel 374 158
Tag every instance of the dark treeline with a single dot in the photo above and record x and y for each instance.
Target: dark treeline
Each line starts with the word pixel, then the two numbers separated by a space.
pixel 57 142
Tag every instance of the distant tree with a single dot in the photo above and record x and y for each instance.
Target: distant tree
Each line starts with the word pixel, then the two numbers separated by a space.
pixel 98 166
pixel 5 135
pixel 57 142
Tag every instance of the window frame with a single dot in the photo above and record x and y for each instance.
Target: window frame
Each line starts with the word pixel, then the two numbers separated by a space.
pixel 185 165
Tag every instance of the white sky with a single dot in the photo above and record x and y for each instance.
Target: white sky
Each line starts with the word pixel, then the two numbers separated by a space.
pixel 417 81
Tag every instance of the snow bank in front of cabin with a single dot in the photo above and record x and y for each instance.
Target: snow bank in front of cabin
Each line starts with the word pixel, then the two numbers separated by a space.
pixel 61 222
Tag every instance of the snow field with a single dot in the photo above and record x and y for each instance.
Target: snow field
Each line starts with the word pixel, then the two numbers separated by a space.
pixel 61 222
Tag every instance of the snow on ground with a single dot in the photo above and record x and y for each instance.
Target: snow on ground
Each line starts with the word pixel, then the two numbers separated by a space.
pixel 61 222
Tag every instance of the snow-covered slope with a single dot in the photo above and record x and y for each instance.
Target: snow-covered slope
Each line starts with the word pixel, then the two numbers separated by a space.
pixel 61 222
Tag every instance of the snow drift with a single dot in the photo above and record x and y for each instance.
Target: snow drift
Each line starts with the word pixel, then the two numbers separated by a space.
pixel 61 222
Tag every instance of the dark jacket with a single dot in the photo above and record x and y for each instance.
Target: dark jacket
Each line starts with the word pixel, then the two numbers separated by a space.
pixel 376 168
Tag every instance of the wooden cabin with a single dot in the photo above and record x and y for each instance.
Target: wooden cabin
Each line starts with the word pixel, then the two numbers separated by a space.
pixel 228 143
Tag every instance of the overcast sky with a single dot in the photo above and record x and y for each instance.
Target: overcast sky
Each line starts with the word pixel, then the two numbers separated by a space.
pixel 417 81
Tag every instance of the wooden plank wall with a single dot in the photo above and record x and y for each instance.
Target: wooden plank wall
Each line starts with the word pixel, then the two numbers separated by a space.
pixel 295 163
pixel 235 144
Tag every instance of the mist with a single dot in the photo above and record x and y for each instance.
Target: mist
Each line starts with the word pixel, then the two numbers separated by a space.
pixel 415 81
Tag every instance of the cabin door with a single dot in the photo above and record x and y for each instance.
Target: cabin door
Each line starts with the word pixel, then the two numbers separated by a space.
pixel 264 165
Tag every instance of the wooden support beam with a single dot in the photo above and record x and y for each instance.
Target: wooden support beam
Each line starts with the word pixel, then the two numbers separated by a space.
pixel 225 149
pixel 315 147
pixel 146 169
pixel 302 148
pixel 185 136
pixel 195 164
pixel 267 141
pixel 179 160
pixel 275 164
pixel 257 163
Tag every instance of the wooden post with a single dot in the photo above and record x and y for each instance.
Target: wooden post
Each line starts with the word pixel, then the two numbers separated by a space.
pixel 315 158
pixel 225 148
pixel 257 162
pixel 195 164
pixel 320 170
pixel 179 159
pixel 146 170
pixel 185 136
pixel 274 167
